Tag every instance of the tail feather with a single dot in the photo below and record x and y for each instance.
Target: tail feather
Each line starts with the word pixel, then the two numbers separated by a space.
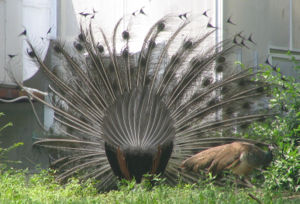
pixel 127 114
pixel 145 54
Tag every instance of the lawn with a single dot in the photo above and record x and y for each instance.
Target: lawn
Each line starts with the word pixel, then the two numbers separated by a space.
pixel 17 186
pixel 280 183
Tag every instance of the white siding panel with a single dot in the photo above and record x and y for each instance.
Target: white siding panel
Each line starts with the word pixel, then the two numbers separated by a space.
pixel 11 26
pixel 109 12
pixel 37 20
pixel 267 20
pixel 2 41
pixel 296 24
pixel 36 16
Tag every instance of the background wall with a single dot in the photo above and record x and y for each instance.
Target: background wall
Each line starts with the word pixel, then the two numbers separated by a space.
pixel 36 16
pixel 275 26
pixel 62 16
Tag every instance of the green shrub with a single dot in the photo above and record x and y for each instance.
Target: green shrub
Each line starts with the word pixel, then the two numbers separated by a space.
pixel 282 129
pixel 4 151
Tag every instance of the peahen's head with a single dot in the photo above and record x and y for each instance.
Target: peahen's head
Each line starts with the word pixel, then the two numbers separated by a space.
pixel 269 155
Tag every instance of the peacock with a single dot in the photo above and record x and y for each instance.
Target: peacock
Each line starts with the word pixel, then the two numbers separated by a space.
pixel 122 113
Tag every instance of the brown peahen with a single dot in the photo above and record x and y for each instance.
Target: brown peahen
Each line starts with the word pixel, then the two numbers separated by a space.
pixel 125 113
pixel 240 157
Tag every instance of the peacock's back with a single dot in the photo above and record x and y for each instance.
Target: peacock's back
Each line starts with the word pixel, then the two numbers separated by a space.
pixel 123 113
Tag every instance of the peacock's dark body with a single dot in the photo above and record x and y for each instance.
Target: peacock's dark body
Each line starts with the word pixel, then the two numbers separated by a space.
pixel 123 114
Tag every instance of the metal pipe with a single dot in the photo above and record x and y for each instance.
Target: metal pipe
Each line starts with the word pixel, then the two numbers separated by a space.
pixel 291 26
pixel 54 8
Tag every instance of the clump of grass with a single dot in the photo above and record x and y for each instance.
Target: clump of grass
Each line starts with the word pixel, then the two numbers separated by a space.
pixel 281 180
pixel 17 186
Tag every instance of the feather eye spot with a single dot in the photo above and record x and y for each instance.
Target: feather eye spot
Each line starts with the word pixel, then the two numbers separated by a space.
pixel 212 102
pixel 125 35
pixel 111 67
pixel 125 53
pixel 148 80
pixel 188 44
pixel 175 59
pixel 263 119
pixel 260 89
pixel 57 48
pixel 229 111
pixel 161 26
pixel 245 126
pixel 246 105
pixel 31 53
pixel 143 61
pixel 196 63
pixel 151 44
pixel 221 59
pixel 81 37
pixel 224 89
pixel 242 82
pixel 219 68
pixel 206 82
pixel 78 46
pixel 100 48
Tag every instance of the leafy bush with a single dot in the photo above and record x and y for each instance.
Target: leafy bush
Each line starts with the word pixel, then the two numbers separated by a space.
pixel 4 151
pixel 282 129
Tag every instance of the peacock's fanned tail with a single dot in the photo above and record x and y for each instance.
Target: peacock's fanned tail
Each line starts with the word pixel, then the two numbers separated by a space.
pixel 122 113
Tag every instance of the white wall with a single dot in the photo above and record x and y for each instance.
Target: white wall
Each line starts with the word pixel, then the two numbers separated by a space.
pixel 37 19
pixel 268 20
pixel 2 38
pixel 11 25
pixel 36 16
pixel 272 23
pixel 109 12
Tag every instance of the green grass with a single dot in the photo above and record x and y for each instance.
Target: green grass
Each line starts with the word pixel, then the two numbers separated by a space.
pixel 280 183
pixel 16 186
